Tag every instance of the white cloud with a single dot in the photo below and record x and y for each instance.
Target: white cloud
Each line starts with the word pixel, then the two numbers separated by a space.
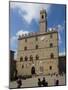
pixel 15 56
pixel 60 27
pixel 50 29
pixel 32 9
pixel 21 32
pixel 60 40
pixel 13 39
pixel 62 54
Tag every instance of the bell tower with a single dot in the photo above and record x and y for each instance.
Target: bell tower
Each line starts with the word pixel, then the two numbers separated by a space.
pixel 43 21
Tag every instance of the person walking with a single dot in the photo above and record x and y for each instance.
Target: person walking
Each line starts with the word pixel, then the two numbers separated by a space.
pixel 19 82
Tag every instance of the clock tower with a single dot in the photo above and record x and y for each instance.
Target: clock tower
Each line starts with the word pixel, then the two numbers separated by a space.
pixel 43 21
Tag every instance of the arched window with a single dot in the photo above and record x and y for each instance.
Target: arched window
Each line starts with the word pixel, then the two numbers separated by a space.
pixel 51 44
pixel 33 70
pixel 36 46
pixel 52 56
pixel 21 59
pixel 31 58
pixel 50 67
pixel 22 66
pixel 25 48
pixel 26 58
pixel 37 57
pixel 42 16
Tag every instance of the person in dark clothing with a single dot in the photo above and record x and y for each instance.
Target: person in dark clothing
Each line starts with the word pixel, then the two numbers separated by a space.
pixel 19 82
pixel 57 82
pixel 39 82
pixel 44 83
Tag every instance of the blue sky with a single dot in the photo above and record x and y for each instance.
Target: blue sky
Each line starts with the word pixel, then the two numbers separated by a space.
pixel 24 18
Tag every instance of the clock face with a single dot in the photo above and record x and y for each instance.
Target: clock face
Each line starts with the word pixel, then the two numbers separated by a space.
pixel 42 38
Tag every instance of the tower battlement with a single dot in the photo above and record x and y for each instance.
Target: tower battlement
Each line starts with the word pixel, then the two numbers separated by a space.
pixel 36 33
pixel 28 35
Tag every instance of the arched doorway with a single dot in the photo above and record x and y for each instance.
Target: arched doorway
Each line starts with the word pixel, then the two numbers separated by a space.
pixel 33 70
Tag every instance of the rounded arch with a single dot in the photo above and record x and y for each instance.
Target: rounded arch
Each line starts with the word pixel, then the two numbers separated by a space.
pixel 31 58
pixel 33 70
pixel 26 58
pixel 21 58
pixel 52 55
pixel 37 57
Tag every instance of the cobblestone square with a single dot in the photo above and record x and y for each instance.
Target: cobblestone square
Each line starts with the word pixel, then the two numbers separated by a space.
pixel 33 82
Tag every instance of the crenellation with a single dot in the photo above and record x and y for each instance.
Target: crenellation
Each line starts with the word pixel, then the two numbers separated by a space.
pixel 50 30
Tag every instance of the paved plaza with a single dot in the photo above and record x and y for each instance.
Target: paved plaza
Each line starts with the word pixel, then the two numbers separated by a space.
pixel 33 82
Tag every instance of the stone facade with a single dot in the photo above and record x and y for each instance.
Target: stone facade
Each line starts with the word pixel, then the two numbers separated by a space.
pixel 38 52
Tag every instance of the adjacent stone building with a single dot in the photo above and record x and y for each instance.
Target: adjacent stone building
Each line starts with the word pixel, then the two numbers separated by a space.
pixel 62 64
pixel 38 51
pixel 13 70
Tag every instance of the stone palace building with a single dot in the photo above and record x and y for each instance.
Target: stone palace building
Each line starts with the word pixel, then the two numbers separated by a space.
pixel 38 52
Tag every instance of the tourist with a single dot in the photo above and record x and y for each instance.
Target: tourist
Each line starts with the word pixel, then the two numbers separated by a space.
pixel 19 82
pixel 44 83
pixel 39 82
pixel 57 82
